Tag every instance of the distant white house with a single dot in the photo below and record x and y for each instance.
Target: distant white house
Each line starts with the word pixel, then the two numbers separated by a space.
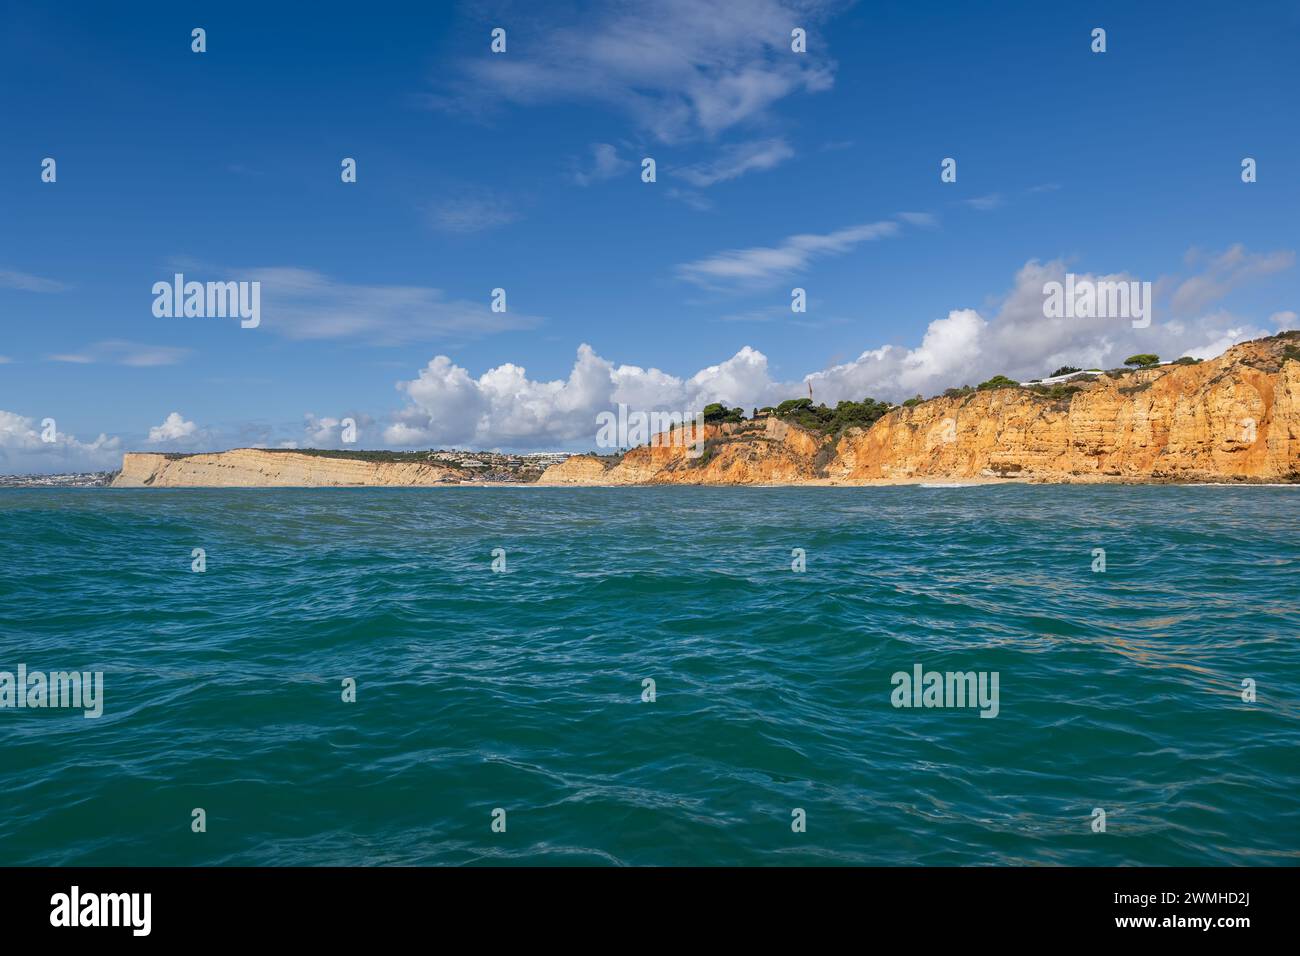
pixel 1091 373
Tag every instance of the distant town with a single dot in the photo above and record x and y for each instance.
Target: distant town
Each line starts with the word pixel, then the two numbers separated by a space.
pixel 493 466
pixel 85 479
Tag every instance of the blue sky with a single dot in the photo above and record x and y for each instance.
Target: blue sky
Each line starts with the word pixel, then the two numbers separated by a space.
pixel 522 171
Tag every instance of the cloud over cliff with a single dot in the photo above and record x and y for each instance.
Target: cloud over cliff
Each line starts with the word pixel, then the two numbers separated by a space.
pixel 503 407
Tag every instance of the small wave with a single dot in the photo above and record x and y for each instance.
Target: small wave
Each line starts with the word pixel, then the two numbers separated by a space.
pixel 1243 484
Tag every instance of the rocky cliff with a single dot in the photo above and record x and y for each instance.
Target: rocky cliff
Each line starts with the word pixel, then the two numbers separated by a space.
pixel 249 467
pixel 1233 418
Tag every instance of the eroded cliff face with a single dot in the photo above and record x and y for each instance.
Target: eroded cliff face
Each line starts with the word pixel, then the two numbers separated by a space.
pixel 1236 417
pixel 733 454
pixel 252 467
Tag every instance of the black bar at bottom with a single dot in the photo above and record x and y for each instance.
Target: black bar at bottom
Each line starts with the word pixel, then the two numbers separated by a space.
pixel 333 906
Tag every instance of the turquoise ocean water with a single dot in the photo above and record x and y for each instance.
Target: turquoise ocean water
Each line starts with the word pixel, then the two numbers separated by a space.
pixel 522 690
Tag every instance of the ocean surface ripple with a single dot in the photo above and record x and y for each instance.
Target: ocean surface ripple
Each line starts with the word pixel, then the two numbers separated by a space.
pixel 522 689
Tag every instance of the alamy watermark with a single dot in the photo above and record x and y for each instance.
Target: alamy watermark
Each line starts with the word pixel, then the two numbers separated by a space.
pixel 75 908
pixel 209 300
pixel 83 690
pixel 922 688
pixel 1089 299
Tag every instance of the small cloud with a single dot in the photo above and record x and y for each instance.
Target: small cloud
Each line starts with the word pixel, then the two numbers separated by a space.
pixel 769 313
pixel 468 214
pixel 985 203
pixel 1283 321
pixel 1044 188
pixel 918 218
pixel 697 201
pixel 761 265
pixel 605 164
pixel 735 161
pixel 119 352
pixel 9 279
pixel 173 429
pixel 327 432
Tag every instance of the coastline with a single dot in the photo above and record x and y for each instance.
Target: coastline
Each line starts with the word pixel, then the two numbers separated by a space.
pixel 932 482
pixel 1232 420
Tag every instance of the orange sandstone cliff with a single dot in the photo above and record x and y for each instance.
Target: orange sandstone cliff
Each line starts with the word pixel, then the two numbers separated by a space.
pixel 1233 418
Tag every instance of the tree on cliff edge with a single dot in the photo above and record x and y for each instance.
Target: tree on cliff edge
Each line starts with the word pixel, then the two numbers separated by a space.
pixel 1143 360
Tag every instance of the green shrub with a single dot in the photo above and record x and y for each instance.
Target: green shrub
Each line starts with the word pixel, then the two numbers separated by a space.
pixel 791 405
pixel 997 381
pixel 1056 392
pixel 831 421
pixel 1064 370
pixel 717 414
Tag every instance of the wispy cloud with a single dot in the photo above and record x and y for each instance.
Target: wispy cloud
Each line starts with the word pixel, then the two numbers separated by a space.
pixel 680 68
pixel 9 279
pixel 697 201
pixel 1224 272
pixel 985 203
pixel 119 352
pixel 471 213
pixel 761 265
pixel 605 164
pixel 923 219
pixel 302 304
pixel 736 160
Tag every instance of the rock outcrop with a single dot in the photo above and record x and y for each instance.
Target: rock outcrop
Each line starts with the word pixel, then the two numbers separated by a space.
pixel 253 467
pixel 577 470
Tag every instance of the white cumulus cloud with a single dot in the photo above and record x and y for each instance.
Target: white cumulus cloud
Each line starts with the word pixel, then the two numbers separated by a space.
pixel 25 450
pixel 175 430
